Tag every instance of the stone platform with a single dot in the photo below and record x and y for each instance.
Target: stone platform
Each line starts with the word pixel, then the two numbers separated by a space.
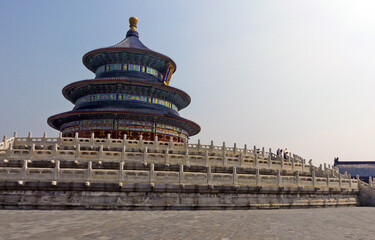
pixel 92 173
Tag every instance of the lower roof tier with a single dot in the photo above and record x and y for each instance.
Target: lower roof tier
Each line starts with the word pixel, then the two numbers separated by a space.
pixel 75 121
pixel 77 90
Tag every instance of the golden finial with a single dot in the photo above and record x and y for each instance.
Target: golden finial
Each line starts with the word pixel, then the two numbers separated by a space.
pixel 133 23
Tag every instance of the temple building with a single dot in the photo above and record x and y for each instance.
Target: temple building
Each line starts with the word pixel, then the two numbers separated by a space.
pixel 130 95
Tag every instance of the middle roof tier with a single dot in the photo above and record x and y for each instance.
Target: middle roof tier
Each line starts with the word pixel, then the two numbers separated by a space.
pixel 125 89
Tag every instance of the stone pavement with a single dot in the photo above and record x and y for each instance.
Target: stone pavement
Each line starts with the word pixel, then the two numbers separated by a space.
pixel 328 223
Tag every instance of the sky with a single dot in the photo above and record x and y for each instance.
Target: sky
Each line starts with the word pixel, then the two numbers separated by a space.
pixel 275 74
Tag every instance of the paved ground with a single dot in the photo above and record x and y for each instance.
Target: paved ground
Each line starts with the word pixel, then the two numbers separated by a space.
pixel 329 223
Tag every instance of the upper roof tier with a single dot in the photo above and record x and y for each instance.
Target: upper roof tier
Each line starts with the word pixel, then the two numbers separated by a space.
pixel 130 57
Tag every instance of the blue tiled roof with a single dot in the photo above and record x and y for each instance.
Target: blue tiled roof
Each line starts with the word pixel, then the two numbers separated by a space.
pixel 131 41
pixel 361 168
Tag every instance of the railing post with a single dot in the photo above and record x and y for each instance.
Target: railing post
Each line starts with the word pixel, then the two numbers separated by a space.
pixel 269 161
pixel 24 170
pixel 327 179
pixel 278 178
pixel 212 147
pixel 55 149
pixel 92 139
pixel 101 153
pixel 151 173
pixel 313 178
pixel 145 155
pixel 255 151
pixel 56 171
pixel 340 180
pixel 123 153
pixel 78 152
pixel 76 138
pixel 186 144
pixel 10 148
pixel 59 138
pixel 303 165
pixel 140 141
pixel 255 157
pixel 350 180
pixel 187 157
pixel 209 175
pixel 262 151
pixel 181 174
pixel 170 143
pixel 234 148
pixel 124 139
pixel 108 140
pixel 224 154
pixel 258 183
pixel 293 162
pixel 121 173
pixel 241 158
pixel 32 151
pixel 199 145
pixel 89 173
pixel 234 175
pixel 206 159
pixel 156 144
pixel 5 141
pixel 297 178
pixel 245 150
pixel 166 151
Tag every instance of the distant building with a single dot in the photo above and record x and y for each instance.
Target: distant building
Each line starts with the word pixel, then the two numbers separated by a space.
pixel 364 169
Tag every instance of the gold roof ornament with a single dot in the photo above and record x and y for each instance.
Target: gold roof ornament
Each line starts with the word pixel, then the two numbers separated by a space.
pixel 133 21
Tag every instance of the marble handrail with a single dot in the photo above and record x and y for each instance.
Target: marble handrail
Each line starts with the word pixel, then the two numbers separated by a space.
pixel 25 174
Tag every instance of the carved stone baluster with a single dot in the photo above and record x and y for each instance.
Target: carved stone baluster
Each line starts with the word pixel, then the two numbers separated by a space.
pixel 209 175
pixel 234 175
pixel 224 150
pixel 151 174
pixel 181 174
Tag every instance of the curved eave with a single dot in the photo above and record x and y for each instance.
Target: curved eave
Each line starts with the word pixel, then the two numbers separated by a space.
pixel 87 56
pixel 192 130
pixel 106 81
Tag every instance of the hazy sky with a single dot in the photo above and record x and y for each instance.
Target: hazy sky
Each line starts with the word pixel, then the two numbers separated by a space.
pixel 295 74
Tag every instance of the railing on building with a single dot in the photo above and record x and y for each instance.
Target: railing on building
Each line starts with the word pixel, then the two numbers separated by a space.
pixel 120 176
pixel 123 151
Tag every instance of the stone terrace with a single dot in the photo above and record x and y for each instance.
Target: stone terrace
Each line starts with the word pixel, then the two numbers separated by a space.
pixel 128 164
